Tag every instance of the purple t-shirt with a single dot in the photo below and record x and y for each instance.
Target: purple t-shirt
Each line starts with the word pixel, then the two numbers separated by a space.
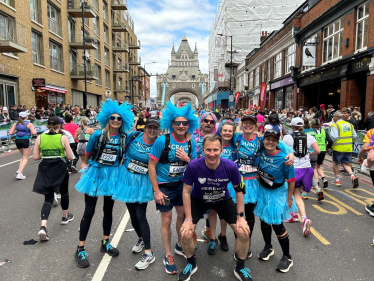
pixel 211 185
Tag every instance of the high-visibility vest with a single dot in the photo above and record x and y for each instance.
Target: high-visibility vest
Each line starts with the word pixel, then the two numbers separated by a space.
pixel 345 136
pixel 51 146
pixel 321 139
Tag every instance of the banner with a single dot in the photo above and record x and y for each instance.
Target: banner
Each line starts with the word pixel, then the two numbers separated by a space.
pixel 237 95
pixel 4 130
pixel 262 95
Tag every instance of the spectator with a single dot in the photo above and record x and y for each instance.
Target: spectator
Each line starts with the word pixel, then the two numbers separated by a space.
pixel 58 110
pixel 38 114
pixel 369 122
pixel 72 128
pixel 324 118
pixel 87 113
pixel 4 116
pixel 13 113
pixel 32 115
pixel 330 111
pixel 347 117
pixel 140 123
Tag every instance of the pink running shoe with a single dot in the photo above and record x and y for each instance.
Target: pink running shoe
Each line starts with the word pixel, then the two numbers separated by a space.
pixel 306 227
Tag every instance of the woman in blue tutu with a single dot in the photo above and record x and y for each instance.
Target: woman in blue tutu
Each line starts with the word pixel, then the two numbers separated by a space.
pixel 135 188
pixel 274 199
pixel 104 153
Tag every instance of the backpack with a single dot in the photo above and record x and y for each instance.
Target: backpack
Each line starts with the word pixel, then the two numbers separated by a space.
pixel 300 144
pixel 164 159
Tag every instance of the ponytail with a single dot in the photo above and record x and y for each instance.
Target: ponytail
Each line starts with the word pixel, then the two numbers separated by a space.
pixel 84 122
pixel 20 120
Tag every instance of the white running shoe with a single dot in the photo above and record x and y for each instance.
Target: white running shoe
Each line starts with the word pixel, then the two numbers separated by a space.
pixel 17 172
pixel 138 247
pixel 145 261
pixel 58 195
pixel 364 168
pixel 20 177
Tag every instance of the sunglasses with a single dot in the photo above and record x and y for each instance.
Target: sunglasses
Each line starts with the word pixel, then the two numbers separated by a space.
pixel 178 123
pixel 118 118
pixel 209 121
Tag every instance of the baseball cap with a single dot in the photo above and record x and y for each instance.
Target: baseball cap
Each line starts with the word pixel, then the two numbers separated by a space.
pixel 5 108
pixel 297 121
pixel 315 121
pixel 273 133
pixel 152 122
pixel 54 120
pixel 250 117
pixel 23 114
pixel 322 106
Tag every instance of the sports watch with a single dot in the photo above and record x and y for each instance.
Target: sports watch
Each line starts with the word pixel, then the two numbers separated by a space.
pixel 240 214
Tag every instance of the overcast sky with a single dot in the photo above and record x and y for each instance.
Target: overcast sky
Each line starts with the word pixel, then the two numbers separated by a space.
pixel 160 23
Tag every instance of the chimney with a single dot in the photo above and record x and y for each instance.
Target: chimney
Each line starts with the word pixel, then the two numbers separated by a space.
pixel 264 35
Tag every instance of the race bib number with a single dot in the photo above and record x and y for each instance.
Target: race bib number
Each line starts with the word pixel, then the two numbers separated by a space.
pixel 177 169
pixel 245 166
pixel 108 157
pixel 137 167
pixel 268 179
pixel 214 197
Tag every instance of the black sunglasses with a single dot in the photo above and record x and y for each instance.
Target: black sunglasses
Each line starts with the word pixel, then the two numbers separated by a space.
pixel 178 123
pixel 209 121
pixel 118 118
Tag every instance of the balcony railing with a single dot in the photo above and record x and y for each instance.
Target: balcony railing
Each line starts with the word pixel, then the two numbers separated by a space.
pixel 224 84
pixel 135 46
pixel 77 72
pixel 76 42
pixel 119 4
pixel 95 4
pixel 119 26
pixel 135 61
pixel 12 36
pixel 75 9
pixel 56 64
pixel 54 26
pixel 120 47
pixel 121 68
pixel 107 61
pixel 107 83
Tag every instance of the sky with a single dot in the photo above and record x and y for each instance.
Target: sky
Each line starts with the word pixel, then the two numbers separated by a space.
pixel 159 24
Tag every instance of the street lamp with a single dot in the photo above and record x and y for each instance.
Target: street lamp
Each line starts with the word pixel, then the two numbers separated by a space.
pixel 145 90
pixel 231 94
pixel 83 3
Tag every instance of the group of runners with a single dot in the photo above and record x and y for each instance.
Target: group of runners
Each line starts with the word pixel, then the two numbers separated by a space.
pixel 201 168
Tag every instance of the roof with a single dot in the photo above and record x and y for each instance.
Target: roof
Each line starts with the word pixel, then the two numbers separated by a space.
pixel 184 47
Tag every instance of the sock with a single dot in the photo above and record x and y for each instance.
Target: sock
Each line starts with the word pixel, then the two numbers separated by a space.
pixel 323 179
pixel 192 260
pixel 240 264
pixel 80 248
pixel 352 174
pixel 105 241
pixel 337 178
pixel 266 233
pixel 303 218
pixel 285 245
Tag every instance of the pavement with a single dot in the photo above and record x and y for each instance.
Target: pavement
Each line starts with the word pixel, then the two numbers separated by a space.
pixel 339 248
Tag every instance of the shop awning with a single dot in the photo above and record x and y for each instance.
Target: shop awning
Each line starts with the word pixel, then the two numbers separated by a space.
pixel 52 88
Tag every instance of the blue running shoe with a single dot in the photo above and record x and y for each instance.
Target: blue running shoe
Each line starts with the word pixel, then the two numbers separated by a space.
pixel 179 251
pixel 186 274
pixel 81 258
pixel 170 267
pixel 212 247
pixel 243 274
pixel 106 247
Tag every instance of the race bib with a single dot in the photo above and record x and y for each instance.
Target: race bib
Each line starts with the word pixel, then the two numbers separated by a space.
pixel 214 197
pixel 245 166
pixel 268 179
pixel 137 167
pixel 177 169
pixel 108 157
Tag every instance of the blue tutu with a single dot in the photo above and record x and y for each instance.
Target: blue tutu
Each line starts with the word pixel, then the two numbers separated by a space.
pixel 272 205
pixel 251 191
pixel 98 181
pixel 231 191
pixel 133 188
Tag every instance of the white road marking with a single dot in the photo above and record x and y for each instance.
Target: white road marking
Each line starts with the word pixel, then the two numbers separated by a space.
pixel 100 271
pixel 11 163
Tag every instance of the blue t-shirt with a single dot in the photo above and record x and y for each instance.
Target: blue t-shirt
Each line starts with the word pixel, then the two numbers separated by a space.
pixel 137 154
pixel 211 185
pixel 198 137
pixel 272 168
pixel 228 152
pixel 110 155
pixel 172 171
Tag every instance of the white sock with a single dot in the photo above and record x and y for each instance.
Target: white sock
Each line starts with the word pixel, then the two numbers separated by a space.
pixel 336 178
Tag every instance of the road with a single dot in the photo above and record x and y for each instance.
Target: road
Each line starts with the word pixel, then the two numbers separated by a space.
pixel 340 247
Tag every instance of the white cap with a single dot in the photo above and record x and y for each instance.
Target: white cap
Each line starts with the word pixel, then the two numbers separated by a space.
pixel 5 108
pixel 297 121
pixel 23 114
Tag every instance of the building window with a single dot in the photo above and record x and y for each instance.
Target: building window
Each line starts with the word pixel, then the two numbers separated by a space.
pixel 332 41
pixel 55 56
pixel 269 71
pixel 96 26
pixel 106 34
pixel 107 78
pixel 54 20
pixel 250 80
pixel 71 31
pixel 289 97
pixel 98 51
pixel 257 77
pixel 278 65
pixel 8 93
pixel 34 10
pixel 279 99
pixel 105 11
pixel 36 40
pixel 263 73
pixel 106 56
pixel 8 2
pixel 362 26
pixel 290 58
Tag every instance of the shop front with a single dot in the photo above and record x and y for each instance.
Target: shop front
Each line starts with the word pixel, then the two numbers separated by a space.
pixel 49 95
pixel 221 99
pixel 92 99
pixel 283 93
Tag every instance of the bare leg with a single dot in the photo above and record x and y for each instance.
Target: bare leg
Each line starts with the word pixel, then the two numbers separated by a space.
pixel 187 243
pixel 223 227
pixel 299 201
pixel 25 158
pixel 213 224
pixel 242 242
pixel 166 231
pixel 320 171
pixel 82 158
pixel 180 219
pixel 335 168
pixel 347 167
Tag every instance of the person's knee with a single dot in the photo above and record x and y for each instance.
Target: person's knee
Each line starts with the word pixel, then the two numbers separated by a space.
pixel 242 235
pixel 166 221
pixel 89 213
pixel 280 230
pixel 187 236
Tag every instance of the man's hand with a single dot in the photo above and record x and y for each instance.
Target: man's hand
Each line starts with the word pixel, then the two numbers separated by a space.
pixel 258 134
pixel 290 160
pixel 360 160
pixel 159 198
pixel 241 223
pixel 181 154
pixel 289 202
pixel 186 228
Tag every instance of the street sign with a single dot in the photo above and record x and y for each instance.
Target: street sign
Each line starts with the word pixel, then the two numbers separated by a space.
pixel 38 82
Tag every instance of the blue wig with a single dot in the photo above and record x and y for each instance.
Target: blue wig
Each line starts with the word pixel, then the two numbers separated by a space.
pixel 111 107
pixel 171 112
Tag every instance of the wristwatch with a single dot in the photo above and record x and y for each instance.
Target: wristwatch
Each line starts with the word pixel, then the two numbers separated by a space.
pixel 240 214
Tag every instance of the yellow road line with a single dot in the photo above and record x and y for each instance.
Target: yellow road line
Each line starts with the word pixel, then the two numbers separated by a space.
pixel 318 235
pixel 349 193
pixel 341 203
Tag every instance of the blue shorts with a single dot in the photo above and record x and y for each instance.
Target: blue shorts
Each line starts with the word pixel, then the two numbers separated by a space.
pixel 342 157
pixel 174 195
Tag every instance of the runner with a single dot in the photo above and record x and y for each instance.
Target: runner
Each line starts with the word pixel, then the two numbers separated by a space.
pixel 52 175
pixel 274 198
pixel 136 189
pixel 210 176
pixel 301 143
pixel 82 135
pixel 169 157
pixel 71 127
pixel 104 153
pixel 23 141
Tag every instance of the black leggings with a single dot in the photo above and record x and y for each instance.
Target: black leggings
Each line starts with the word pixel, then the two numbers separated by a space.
pixel 138 215
pixel 250 216
pixel 281 233
pixel 89 211
pixel 48 199
pixel 73 147
pixel 372 176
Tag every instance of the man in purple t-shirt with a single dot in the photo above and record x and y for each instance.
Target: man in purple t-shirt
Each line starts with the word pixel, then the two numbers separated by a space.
pixel 210 176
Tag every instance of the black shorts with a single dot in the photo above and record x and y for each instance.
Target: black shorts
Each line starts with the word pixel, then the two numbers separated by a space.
pixel 226 210
pixel 321 157
pixel 23 143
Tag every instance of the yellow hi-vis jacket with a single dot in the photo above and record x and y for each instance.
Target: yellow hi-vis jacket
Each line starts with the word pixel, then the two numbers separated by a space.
pixel 344 141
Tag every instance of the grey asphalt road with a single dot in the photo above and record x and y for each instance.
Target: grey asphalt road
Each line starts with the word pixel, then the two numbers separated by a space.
pixel 340 247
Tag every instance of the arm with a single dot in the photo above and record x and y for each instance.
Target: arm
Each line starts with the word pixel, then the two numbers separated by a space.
pixel 36 152
pixel 334 133
pixel 76 134
pixel 159 196
pixel 66 145
pixel 362 153
pixel 291 187
pixel 370 158
pixel 11 131
pixel 289 151
pixel 316 150
pixel 329 140
pixel 31 128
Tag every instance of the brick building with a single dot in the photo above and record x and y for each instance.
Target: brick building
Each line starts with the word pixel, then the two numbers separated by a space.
pixel 145 87
pixel 44 39
pixel 331 61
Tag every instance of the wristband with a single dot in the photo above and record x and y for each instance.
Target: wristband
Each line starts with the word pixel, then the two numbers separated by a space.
pixel 187 220
pixel 154 193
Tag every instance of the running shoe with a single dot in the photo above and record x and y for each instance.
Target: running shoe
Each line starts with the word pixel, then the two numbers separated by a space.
pixel 370 209
pixel 266 253
pixel 170 267
pixel 58 195
pixel 206 233
pixel 145 261
pixel 194 237
pixel 107 248
pixel 20 177
pixel 337 183
pixel 354 182
pixel 17 172
pixel 304 195
pixel 179 251
pixel 55 200
pixel 319 194
pixel 186 274
pixel 364 168
pixel 43 234
pixel 224 245
pixel 285 264
pixel 81 258
pixel 138 247
pixel 306 227
pixel 325 183
pixel 68 219
pixel 74 170
pixel 243 274
pixel 212 247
